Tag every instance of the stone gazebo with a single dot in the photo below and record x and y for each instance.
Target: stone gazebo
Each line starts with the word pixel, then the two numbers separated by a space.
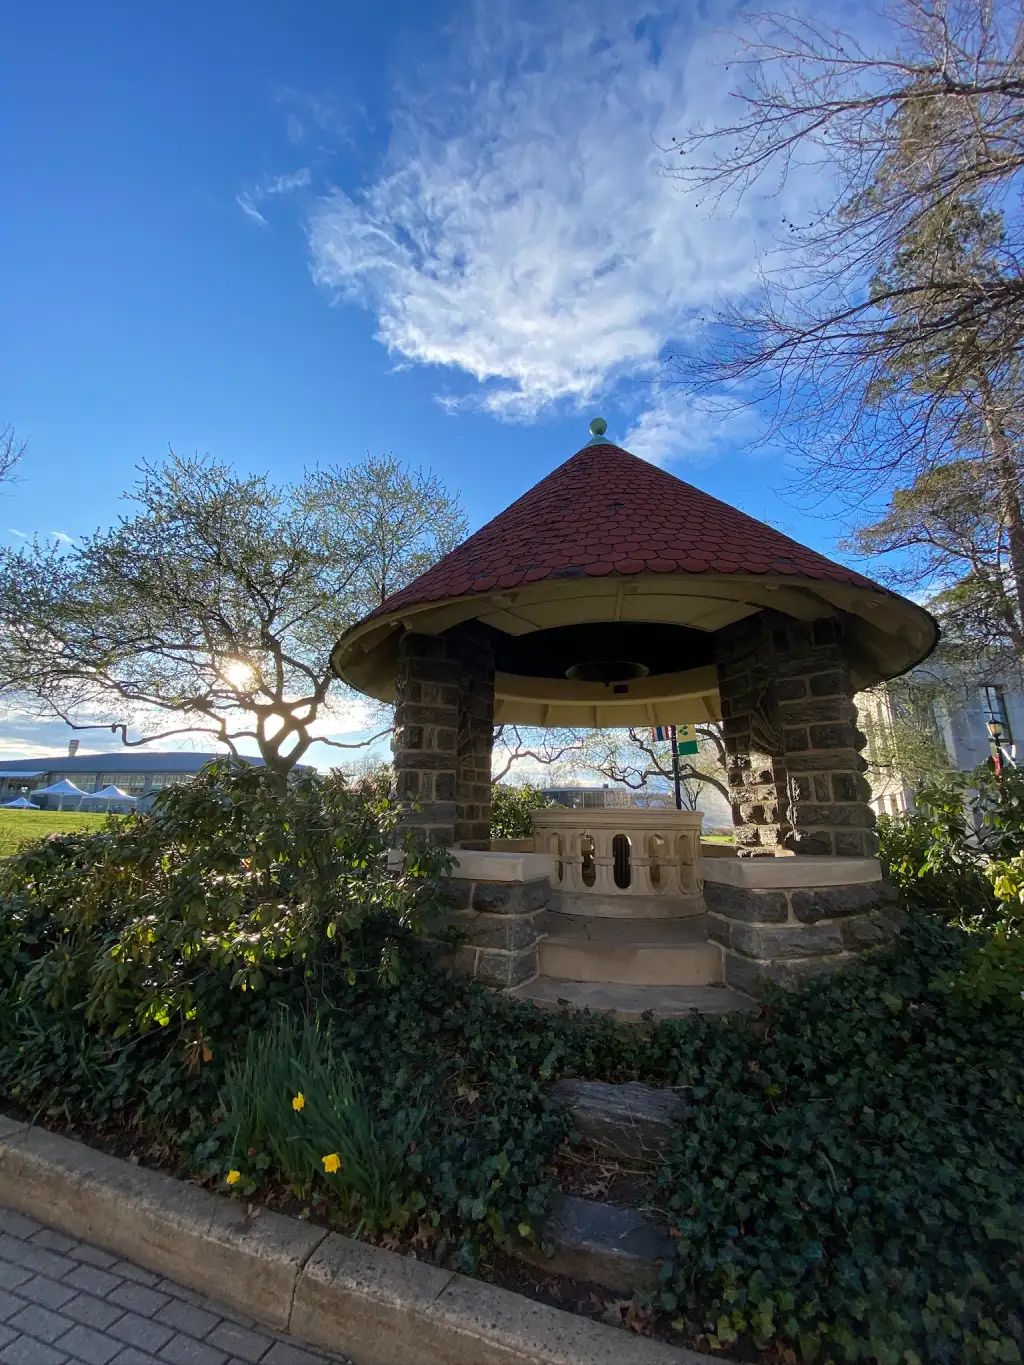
pixel 613 594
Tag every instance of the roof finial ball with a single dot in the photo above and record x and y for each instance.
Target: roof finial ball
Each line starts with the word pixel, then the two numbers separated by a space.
pixel 598 426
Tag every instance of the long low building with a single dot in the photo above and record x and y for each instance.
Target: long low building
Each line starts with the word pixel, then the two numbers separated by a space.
pixel 140 774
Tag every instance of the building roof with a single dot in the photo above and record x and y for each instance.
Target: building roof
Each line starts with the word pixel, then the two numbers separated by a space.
pixel 113 761
pixel 610 542
pixel 604 511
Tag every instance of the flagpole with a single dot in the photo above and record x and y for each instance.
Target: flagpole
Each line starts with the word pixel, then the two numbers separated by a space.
pixel 675 767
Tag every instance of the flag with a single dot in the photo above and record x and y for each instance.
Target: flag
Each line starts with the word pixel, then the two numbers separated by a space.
pixel 661 733
pixel 686 740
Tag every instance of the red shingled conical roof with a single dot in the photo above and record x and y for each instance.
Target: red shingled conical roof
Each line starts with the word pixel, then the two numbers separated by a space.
pixel 608 538
pixel 604 511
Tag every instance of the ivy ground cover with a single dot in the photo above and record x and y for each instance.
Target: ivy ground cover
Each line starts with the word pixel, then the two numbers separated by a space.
pixel 236 986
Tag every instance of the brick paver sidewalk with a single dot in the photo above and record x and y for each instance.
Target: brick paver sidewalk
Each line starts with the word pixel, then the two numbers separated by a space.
pixel 64 1301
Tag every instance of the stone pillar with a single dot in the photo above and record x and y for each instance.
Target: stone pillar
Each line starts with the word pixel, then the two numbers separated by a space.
pixel 795 768
pixel 444 709
pixel 474 646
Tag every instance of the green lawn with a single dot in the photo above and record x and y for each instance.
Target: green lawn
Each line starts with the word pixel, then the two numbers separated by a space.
pixel 19 827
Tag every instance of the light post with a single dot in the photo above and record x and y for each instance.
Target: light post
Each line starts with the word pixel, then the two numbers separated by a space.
pixel 995 734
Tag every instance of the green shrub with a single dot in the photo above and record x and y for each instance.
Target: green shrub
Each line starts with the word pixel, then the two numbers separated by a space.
pixel 848 1180
pixel 227 880
pixel 853 1187
pixel 512 809
pixel 932 855
pixel 960 855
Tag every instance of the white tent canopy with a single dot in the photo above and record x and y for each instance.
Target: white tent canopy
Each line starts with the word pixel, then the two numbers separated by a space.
pixel 110 793
pixel 62 789
pixel 19 803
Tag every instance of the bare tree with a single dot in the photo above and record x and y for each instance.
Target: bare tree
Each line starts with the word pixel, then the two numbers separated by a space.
pixel 553 749
pixel 894 133
pixel 11 451
pixel 627 757
pixel 633 759
pixel 215 604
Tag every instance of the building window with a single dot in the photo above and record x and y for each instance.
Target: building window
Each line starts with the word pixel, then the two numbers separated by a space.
pixel 993 702
pixel 128 782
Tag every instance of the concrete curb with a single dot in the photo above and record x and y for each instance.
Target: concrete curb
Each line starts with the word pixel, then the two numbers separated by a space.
pixel 330 1291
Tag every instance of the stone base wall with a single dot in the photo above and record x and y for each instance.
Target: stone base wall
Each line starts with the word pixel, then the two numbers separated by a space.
pixel 498 921
pixel 781 937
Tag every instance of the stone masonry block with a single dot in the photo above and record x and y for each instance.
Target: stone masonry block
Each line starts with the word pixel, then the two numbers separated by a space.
pixel 511 898
pixel 790 689
pixel 754 978
pixel 777 942
pixel 824 659
pixel 863 931
pixel 838 902
pixel 850 814
pixel 719 929
pixel 749 906
pixel 507 969
pixel 795 739
pixel 855 843
pixel 418 713
pixel 828 760
pixel 827 684
pixel 812 841
pixel 455 893
pixel 816 710
pixel 838 736
pixel 415 760
pixel 509 933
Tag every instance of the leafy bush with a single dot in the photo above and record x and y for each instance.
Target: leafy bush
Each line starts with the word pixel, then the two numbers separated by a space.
pixel 932 854
pixel 960 855
pixel 853 1187
pixel 227 880
pixel 512 809
pixel 848 1181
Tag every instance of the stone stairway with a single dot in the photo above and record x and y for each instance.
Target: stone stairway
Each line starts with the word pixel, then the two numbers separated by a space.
pixel 629 967
pixel 619 1247
pixel 635 952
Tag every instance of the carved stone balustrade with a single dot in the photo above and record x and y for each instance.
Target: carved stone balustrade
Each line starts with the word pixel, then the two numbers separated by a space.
pixel 634 862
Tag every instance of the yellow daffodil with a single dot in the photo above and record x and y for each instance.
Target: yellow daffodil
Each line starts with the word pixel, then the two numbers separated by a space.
pixel 233 1177
pixel 299 1102
pixel 332 1163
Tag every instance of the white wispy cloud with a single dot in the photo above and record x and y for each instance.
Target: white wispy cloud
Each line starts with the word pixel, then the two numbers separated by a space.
pixel 523 232
pixel 20 534
pixel 248 200
pixel 244 202
pixel 325 113
pixel 63 537
pixel 284 184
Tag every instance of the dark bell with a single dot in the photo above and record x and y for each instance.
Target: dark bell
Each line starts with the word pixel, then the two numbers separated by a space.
pixel 607 671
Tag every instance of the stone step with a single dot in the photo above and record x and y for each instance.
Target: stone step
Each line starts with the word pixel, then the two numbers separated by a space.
pixel 631 1120
pixel 600 1243
pixel 594 904
pixel 659 952
pixel 630 1003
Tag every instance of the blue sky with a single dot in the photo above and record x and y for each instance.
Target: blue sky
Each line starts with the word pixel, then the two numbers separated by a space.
pixel 288 234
